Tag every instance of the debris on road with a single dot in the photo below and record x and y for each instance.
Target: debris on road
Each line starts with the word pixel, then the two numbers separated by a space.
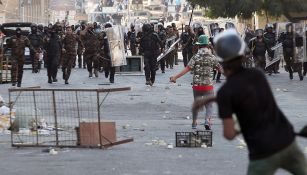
pixel 170 146
pixel 285 90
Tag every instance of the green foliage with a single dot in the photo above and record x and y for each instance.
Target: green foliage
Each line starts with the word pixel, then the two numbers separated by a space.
pixel 246 8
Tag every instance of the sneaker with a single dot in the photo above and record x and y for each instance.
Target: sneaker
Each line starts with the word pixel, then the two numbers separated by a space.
pixel 207 125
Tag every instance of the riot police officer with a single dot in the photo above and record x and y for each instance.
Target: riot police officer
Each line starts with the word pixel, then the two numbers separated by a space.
pixel 53 49
pixel 151 46
pixel 162 36
pixel 288 51
pixel 36 41
pixel 18 43
pixel 259 47
pixel 132 39
pixel 271 41
pixel 187 38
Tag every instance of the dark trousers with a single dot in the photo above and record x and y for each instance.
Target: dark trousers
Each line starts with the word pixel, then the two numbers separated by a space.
pixel 109 71
pixel 162 64
pixel 68 64
pixel 260 61
pixel 52 69
pixel 216 74
pixel 17 69
pixel 91 61
pixel 305 68
pixel 150 62
pixel 291 66
pixel 35 61
pixel 187 55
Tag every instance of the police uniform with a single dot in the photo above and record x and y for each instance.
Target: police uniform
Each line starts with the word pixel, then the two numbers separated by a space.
pixel 271 41
pixel 150 45
pixel 91 45
pixel 36 40
pixel 54 49
pixel 69 45
pixel 132 40
pixel 18 44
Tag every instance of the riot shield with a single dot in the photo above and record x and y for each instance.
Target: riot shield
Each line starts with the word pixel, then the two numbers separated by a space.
pixel 278 49
pixel 299 42
pixel 115 37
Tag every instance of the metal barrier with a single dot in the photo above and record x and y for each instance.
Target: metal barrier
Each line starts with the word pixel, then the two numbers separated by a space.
pixel 53 117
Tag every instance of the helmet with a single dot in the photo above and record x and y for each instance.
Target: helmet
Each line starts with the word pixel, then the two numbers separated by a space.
pixel 40 27
pixel 259 32
pixel 229 45
pixel 146 27
pixel 107 25
pixel 269 26
pixel 33 27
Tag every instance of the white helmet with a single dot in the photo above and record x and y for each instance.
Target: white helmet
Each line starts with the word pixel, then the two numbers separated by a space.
pixel 229 45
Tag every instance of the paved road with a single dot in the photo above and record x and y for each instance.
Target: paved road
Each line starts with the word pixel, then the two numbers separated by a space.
pixel 160 110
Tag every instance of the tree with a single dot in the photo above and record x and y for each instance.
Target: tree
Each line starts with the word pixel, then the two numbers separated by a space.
pixel 246 8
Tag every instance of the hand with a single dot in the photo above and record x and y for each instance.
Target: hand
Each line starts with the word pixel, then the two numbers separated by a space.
pixel 172 79
pixel 63 50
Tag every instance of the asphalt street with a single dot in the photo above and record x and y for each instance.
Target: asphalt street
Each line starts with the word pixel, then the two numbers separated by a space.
pixel 148 114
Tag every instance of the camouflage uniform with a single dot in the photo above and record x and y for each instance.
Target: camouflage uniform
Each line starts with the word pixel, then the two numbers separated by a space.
pixel 92 47
pixel 18 50
pixel 202 64
pixel 79 53
pixel 69 55
pixel 36 41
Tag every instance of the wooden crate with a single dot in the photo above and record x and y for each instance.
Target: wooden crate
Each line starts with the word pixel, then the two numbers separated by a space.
pixel 89 133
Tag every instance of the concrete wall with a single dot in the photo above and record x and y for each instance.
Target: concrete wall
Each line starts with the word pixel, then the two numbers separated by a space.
pixel 9 11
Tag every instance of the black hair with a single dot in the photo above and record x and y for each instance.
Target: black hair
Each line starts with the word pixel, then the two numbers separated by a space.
pixel 234 64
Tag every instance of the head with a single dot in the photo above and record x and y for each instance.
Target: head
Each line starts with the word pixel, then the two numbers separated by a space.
pixel 68 30
pixel 83 26
pixel 160 26
pixel 269 28
pixel 230 49
pixel 107 25
pixel 289 28
pixel 203 41
pixel 33 28
pixel 200 31
pixel 95 25
pixel 174 25
pixel 46 29
pixel 221 30
pixel 132 27
pixel 259 33
pixel 18 32
pixel 186 28
pixel 146 28
pixel 40 27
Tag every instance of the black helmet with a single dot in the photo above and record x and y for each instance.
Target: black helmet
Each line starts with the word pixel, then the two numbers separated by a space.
pixel 40 27
pixel 229 45
pixel 259 32
pixel 146 27
pixel 18 29
pixel 107 25
pixel 33 27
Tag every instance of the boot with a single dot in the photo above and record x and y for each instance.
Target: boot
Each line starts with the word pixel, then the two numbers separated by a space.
pixel 90 75
pixel 19 84
pixel 96 72
pixel 291 76
pixel 301 76
pixel 66 82
pixel 13 84
pixel 49 80
pixel 55 80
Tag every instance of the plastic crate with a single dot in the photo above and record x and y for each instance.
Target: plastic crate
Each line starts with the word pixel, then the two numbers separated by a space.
pixel 194 139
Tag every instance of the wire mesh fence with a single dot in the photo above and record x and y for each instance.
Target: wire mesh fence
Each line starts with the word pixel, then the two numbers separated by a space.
pixel 60 117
